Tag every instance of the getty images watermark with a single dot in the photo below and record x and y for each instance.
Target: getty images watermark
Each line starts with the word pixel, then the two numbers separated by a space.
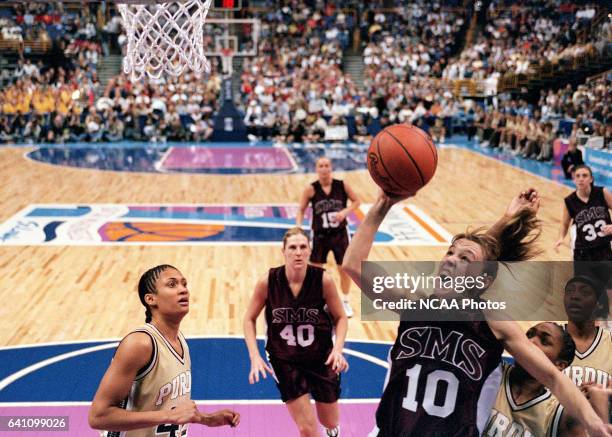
pixel 400 284
pixel 430 291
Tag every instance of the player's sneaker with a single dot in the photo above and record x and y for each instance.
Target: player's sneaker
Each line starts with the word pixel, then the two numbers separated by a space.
pixel 333 432
pixel 348 309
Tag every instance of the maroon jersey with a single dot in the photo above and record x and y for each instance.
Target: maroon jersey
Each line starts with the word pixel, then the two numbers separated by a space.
pixel 443 380
pixel 589 218
pixel 325 207
pixel 299 328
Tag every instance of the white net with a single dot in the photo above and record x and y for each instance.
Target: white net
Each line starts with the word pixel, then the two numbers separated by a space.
pixel 164 37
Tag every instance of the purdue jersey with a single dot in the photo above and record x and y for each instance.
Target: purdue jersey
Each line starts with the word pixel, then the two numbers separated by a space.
pixel 533 418
pixel 594 364
pixel 299 328
pixel 326 206
pixel 589 218
pixel 162 385
pixel 442 380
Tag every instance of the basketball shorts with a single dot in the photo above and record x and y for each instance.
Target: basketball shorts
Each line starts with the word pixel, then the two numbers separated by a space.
pixel 296 379
pixel 601 253
pixel 322 243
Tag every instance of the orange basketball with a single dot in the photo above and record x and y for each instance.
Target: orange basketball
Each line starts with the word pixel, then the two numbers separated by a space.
pixel 401 159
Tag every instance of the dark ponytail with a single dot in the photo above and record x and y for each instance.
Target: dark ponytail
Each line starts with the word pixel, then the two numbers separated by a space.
pixel 146 285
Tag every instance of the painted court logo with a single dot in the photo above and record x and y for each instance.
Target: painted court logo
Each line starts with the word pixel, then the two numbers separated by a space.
pixel 246 224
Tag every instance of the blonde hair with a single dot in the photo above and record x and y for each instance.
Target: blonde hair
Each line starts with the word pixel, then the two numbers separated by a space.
pixel 294 231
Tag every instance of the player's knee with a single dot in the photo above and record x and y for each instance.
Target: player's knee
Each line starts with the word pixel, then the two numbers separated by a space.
pixel 328 417
pixel 328 423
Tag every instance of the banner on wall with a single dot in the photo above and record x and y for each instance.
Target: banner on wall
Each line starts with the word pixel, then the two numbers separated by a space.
pixel 600 162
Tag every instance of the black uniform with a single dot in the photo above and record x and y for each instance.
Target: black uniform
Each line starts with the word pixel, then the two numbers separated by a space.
pixel 589 218
pixel 328 235
pixel 299 337
pixel 570 160
pixel 443 380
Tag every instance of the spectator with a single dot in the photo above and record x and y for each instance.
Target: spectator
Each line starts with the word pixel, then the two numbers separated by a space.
pixel 571 158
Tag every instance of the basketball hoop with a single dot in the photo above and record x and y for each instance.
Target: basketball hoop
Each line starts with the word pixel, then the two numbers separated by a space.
pixel 164 36
pixel 226 60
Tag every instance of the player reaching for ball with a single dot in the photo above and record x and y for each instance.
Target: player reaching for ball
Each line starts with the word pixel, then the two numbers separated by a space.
pixel 329 199
pixel 443 375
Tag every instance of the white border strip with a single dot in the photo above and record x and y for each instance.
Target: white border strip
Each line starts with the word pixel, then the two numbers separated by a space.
pixel 189 337
pixel 199 402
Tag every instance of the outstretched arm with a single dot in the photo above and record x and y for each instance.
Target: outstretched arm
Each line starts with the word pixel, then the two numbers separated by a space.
pixel 361 244
pixel 598 398
pixel 533 360
pixel 527 200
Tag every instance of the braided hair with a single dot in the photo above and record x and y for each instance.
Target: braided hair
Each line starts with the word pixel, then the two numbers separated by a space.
pixel 146 285
pixel 568 348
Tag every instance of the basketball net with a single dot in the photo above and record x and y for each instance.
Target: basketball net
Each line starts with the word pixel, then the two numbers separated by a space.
pixel 164 37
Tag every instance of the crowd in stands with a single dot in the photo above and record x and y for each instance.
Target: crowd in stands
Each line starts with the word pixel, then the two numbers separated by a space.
pixel 61 99
pixel 59 111
pixel 413 40
pixel 295 87
pixel 520 36
pixel 295 90
pixel 529 131
pixel 73 34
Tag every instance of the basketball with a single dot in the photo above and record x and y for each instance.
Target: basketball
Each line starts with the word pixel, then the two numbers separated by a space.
pixel 402 158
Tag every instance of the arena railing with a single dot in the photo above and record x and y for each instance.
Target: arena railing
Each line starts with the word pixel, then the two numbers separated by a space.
pixel 27 45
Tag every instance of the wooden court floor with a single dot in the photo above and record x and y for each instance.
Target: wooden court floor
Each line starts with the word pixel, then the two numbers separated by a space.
pixel 77 293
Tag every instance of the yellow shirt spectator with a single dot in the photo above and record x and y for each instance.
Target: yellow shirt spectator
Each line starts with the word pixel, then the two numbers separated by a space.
pixel 38 102
pixel 9 107
pixel 23 102
pixel 63 101
pixel 48 102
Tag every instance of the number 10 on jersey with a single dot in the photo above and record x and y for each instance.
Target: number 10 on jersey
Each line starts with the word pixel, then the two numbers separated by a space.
pixel 431 387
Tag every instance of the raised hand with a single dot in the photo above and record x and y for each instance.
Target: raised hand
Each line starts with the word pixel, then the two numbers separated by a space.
pixel 393 198
pixel 527 199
